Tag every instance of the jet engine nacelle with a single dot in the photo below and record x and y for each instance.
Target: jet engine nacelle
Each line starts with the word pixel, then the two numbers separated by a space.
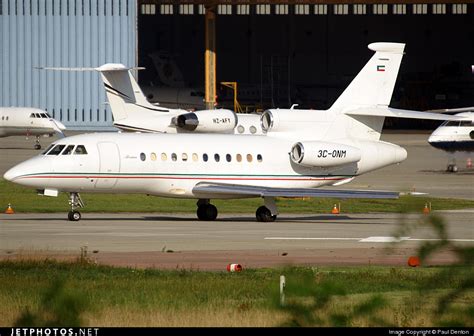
pixel 323 154
pixel 207 121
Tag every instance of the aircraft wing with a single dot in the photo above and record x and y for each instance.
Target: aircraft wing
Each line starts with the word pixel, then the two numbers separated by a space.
pixel 210 190
pixel 397 113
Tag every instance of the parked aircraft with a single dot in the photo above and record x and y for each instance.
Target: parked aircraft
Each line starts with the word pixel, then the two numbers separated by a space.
pixel 301 151
pixel 28 121
pixel 455 136
pixel 132 112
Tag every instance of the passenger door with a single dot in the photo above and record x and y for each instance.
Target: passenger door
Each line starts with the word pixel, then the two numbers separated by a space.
pixel 109 165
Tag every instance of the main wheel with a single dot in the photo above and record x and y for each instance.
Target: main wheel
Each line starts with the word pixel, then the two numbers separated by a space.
pixel 207 212
pixel 74 216
pixel 452 168
pixel 264 214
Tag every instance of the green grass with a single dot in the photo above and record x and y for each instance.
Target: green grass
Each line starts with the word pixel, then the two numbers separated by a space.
pixel 125 296
pixel 25 199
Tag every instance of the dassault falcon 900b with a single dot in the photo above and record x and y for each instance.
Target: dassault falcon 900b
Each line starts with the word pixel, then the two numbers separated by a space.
pixel 301 151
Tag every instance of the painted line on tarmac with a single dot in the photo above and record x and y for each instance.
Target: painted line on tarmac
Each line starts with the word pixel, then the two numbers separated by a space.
pixel 376 239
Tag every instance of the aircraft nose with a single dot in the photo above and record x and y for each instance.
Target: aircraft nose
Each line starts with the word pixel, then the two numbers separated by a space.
pixel 60 125
pixel 401 154
pixel 11 174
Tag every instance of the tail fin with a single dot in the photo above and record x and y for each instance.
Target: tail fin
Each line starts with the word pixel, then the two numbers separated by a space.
pixel 123 92
pixel 375 82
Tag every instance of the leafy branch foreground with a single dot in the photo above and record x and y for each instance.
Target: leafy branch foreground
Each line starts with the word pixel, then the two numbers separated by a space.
pixel 50 293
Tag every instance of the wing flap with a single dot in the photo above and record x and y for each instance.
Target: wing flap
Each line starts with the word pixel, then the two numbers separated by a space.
pixel 221 189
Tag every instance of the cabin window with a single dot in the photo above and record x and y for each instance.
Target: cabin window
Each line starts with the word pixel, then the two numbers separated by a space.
pixel 47 149
pixel 68 150
pixel 184 157
pixel 217 157
pixel 164 157
pixel 195 157
pixel 174 157
pixel 228 157
pixel 249 157
pixel 240 129
pixel 142 156
pixel 3 118
pixel 80 150
pixel 56 150
pixel 253 129
pixel 259 158
pixel 238 157
pixel 205 157
pixel 153 156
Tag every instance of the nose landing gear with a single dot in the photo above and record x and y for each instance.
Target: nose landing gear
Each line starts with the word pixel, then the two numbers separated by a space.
pixel 37 143
pixel 75 201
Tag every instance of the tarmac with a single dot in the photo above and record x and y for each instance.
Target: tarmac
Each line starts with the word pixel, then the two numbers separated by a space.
pixel 180 241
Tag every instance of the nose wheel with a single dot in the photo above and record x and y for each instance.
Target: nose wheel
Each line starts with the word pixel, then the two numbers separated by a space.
pixel 75 201
pixel 74 216
pixel 37 143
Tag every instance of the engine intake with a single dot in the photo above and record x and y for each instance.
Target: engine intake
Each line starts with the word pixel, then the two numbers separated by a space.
pixel 323 154
pixel 207 121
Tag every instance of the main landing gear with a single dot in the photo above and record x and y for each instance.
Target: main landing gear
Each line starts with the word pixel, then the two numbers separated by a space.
pixel 75 201
pixel 206 211
pixel 452 167
pixel 266 213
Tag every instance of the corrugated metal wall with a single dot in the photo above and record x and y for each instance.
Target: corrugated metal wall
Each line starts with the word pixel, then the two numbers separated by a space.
pixel 63 33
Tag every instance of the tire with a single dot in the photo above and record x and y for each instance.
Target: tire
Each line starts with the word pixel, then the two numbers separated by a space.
pixel 207 212
pixel 263 214
pixel 74 216
pixel 37 146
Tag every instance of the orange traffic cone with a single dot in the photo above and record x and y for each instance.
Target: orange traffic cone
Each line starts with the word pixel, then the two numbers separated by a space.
pixel 335 210
pixel 9 210
pixel 414 261
pixel 426 209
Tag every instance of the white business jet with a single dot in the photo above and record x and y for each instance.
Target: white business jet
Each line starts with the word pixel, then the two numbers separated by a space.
pixel 455 135
pixel 28 121
pixel 131 110
pixel 302 150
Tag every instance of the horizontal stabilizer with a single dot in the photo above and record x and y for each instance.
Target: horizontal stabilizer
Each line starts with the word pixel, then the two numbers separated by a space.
pixel 396 113
pixel 216 189
pixel 105 67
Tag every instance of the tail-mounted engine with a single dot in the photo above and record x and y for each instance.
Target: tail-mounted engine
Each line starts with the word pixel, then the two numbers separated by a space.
pixel 207 121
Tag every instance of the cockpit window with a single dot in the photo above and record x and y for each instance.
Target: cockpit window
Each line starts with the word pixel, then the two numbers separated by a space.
pixel 47 115
pixel 38 115
pixel 47 149
pixel 56 150
pixel 68 150
pixel 451 123
pixel 32 115
pixel 43 115
pixel 80 150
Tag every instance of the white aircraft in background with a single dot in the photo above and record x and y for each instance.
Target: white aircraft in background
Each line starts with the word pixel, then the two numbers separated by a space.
pixel 132 112
pixel 455 135
pixel 301 151
pixel 28 121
